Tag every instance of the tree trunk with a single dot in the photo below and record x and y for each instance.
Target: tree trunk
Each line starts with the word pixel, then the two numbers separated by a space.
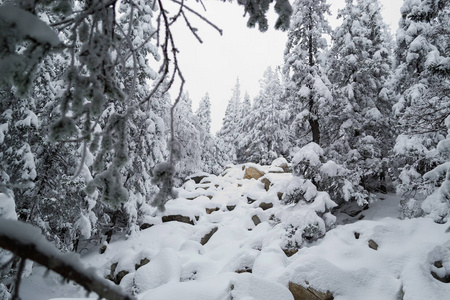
pixel 314 123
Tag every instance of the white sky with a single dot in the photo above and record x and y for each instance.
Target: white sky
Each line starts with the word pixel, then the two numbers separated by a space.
pixel 215 65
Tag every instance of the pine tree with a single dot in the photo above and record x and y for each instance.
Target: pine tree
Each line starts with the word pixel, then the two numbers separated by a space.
pixel 204 113
pixel 307 88
pixel 228 133
pixel 188 139
pixel 359 67
pixel 211 161
pixel 421 80
pixel 266 137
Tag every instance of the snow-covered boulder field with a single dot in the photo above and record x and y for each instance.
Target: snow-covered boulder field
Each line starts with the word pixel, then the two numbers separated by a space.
pixel 232 237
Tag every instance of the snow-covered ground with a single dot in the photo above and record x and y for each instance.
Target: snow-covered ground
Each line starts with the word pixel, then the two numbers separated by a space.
pixel 230 247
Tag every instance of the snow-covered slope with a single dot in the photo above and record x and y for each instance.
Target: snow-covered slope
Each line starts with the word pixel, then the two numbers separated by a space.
pixel 228 244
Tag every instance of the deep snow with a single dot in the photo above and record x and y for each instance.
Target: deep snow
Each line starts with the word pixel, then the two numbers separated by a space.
pixel 181 267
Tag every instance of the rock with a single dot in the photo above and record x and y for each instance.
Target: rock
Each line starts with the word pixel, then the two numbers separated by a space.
pixel 145 226
pixel 178 218
pixel 266 183
pixel 103 249
pixel 254 173
pixel 210 197
pixel 438 264
pixel 118 277
pixel 357 234
pixel 285 168
pixel 445 279
pixel 308 293
pixel 113 271
pixel 231 207
pixel 373 245
pixel 207 236
pixel 211 210
pixel 244 270
pixel 352 209
pixel 265 205
pixel 280 195
pixel 256 220
pixel 143 262
pixel 276 170
pixel 198 178
pixel 282 163
pixel 250 200
pixel 289 252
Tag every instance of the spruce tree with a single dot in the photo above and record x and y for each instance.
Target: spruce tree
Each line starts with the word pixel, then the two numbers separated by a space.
pixel 307 88
pixel 228 133
pixel 359 68
pixel 421 82
pixel 266 135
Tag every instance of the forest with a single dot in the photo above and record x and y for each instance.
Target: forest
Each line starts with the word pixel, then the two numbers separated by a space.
pixel 332 183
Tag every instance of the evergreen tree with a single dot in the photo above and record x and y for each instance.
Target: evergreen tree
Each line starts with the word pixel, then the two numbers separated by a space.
pixel 188 136
pixel 204 113
pixel 210 153
pixel 229 131
pixel 359 67
pixel 421 82
pixel 266 135
pixel 307 85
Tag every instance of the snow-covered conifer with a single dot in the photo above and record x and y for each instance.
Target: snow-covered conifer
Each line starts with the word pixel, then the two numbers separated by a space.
pixel 307 85
pixel 359 66
pixel 421 83
pixel 229 131
pixel 264 134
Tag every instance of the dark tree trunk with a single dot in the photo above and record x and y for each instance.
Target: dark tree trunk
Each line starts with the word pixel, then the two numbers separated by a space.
pixel 314 123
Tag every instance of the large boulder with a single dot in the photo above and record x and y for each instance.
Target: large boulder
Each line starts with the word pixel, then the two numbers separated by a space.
pixel 251 172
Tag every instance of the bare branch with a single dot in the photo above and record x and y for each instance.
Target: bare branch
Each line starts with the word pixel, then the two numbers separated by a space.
pixel 199 15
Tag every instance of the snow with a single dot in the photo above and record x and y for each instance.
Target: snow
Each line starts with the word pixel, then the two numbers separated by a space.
pixel 181 268
pixel 28 24
pixel 310 153
pixel 405 144
pixel 7 207
pixel 164 268
pixel 3 130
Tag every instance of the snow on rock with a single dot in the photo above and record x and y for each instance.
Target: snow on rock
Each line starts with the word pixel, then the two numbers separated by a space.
pixel 349 269
pixel 412 257
pixel 214 288
pixel 251 287
pixel 164 268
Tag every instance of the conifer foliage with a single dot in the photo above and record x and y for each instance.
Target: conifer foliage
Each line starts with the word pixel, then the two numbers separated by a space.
pixel 265 134
pixel 307 87
pixel 359 67
pixel 421 81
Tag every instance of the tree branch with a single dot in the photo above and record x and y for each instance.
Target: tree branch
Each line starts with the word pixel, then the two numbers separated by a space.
pixel 26 241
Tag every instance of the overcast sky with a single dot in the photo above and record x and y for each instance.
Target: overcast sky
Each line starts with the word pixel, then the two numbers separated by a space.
pixel 215 65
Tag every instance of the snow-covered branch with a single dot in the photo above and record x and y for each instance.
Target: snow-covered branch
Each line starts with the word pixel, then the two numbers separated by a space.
pixel 26 241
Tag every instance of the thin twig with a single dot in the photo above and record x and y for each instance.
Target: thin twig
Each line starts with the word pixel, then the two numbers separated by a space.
pixel 200 16
pixel 18 279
